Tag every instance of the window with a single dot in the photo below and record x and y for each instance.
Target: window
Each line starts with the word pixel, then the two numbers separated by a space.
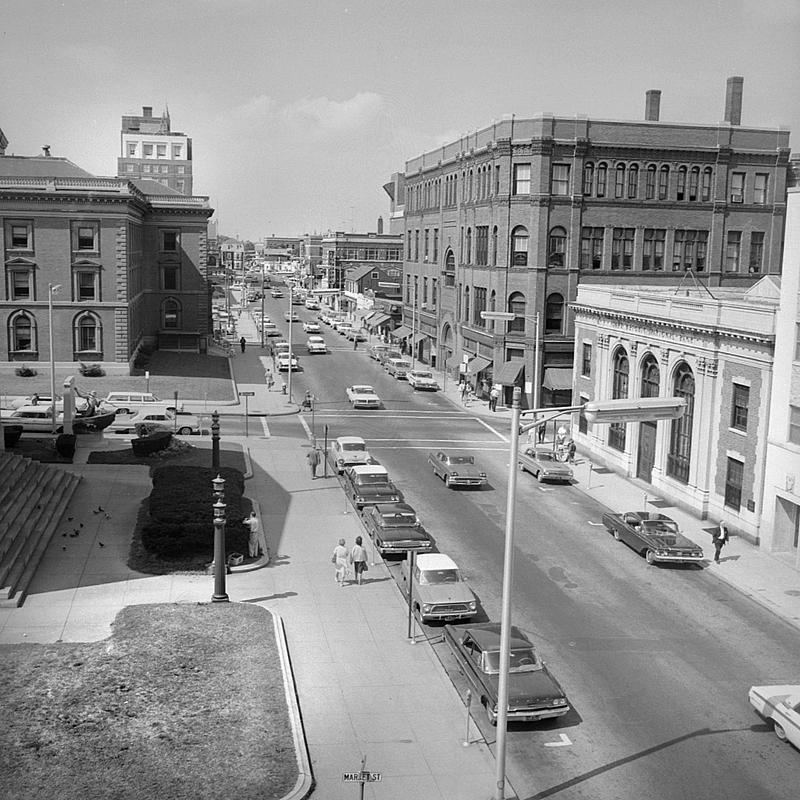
pixel 794 424
pixel 733 484
pixel 522 178
pixel 20 284
pixel 619 390
pixel 557 248
pixel 181 170
pixel 131 149
pixel 479 305
pixel 756 251
pixel 706 191
pixel 689 250
pixel 680 441
pixel 650 183
pixel 663 183
pixel 465 310
pixel 170 241
pixel 519 247
pixel 129 168
pixel 171 313
pixel 469 246
pixel 694 180
pixel 633 181
pixel 737 187
pixel 471 195
pixel 21 330
pixel 435 245
pixel 148 151
pixel 482 244
pixel 554 314
pixel 739 404
pixel 170 278
pixel 408 245
pixel 680 193
pixel 161 150
pixel 180 186
pixel 588 178
pixel 653 249
pixel 85 287
pixel 560 179
pixel 450 269
pixel 425 244
pixel 145 168
pixel 21 236
pixel 586 360
pixel 87 328
pixel 424 289
pixel 650 377
pixel 619 181
pixel 497 179
pixel 416 245
pixel 733 250
pixel 516 305
pixel 85 237
pixel 592 248
pixel 602 176
pixel 622 248
pixel 760 184
pixel 434 292
pixel 177 151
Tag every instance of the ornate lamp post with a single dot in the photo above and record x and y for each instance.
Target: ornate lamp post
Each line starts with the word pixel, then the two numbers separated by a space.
pixel 51 290
pixel 220 567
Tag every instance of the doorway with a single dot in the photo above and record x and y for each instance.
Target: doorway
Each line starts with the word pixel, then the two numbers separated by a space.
pixel 647 451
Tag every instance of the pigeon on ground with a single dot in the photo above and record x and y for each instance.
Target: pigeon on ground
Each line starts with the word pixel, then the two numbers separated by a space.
pixel 101 544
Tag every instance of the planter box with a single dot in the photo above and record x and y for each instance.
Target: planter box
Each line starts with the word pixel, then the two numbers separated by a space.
pixel 11 434
pixel 65 444
pixel 147 445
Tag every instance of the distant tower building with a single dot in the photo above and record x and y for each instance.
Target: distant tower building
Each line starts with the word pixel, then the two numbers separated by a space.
pixel 380 225
pixel 149 150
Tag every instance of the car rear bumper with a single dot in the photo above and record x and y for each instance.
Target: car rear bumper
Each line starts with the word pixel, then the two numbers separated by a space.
pixel 676 559
pixel 444 615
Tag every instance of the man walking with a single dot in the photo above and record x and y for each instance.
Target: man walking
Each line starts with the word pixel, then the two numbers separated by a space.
pixel 719 539
pixel 255 538
pixel 243 343
pixel 313 462
pixel 494 394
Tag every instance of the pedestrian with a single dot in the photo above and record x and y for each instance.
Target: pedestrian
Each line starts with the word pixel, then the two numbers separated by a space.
pixel 464 390
pixel 719 539
pixel 339 560
pixel 313 462
pixel 254 540
pixel 355 341
pixel 494 396
pixel 35 399
pixel 571 451
pixel 308 401
pixel 243 343
pixel 542 431
pixel 283 386
pixel 270 381
pixel 358 558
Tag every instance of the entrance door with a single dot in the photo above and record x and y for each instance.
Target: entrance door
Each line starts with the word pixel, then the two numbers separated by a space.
pixel 647 451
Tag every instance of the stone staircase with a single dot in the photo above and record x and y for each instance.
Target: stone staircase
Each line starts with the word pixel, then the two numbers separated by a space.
pixel 33 498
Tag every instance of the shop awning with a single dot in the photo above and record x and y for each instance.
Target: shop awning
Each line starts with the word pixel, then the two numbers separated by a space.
pixel 556 379
pixel 508 374
pixel 417 338
pixel 402 332
pixel 367 319
pixel 478 364
pixel 379 319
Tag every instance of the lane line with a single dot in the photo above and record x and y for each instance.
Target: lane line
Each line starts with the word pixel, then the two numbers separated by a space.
pixel 490 428
pixel 431 447
pixel 565 741
pixel 305 425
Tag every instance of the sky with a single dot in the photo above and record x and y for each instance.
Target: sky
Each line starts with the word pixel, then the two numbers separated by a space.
pixel 301 110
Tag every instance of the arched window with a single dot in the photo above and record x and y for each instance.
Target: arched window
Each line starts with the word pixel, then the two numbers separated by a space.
pixel 171 314
pixel 619 181
pixel 557 248
pixel 633 181
pixel 694 181
pixel 554 314
pixel 469 246
pixel 465 310
pixel 650 182
pixel 588 178
pixel 493 301
pixel 21 333
pixel 680 191
pixel 516 306
pixel 493 258
pixel 519 247
pixel 619 390
pixel 707 173
pixel 680 439
pixel 86 333
pixel 602 176
pixel 471 186
pixel 651 377
pixel 663 183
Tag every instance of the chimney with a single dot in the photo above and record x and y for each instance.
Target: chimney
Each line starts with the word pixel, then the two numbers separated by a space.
pixel 147 111
pixel 733 100
pixel 380 225
pixel 46 150
pixel 652 105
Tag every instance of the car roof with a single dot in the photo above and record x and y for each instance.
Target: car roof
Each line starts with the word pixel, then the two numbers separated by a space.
pixel 394 508
pixel 369 469
pixel 487 635
pixel 362 386
pixel 350 440
pixel 427 561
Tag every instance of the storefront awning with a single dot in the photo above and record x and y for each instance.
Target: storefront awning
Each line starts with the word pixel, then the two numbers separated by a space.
pixel 418 337
pixel 557 380
pixel 402 332
pixel 367 319
pixel 379 319
pixel 478 364
pixel 508 374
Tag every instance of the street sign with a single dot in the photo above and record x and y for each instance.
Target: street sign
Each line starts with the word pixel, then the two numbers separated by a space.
pixel 367 777
pixel 246 394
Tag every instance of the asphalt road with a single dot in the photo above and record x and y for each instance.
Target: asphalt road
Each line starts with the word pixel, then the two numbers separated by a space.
pixel 656 661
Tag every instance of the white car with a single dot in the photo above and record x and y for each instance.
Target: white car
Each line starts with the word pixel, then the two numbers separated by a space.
pixel 286 362
pixel 422 379
pixel 316 344
pixel 38 418
pixel 293 317
pixel 781 704
pixel 312 305
pixel 311 327
pixel 347 451
pixel 356 335
pixel 361 395
pixel 181 422
pixel 343 327
pixel 45 400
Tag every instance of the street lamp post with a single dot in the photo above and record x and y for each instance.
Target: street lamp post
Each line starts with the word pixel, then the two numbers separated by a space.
pixel 289 380
pixel 262 305
pixel 220 567
pixel 51 290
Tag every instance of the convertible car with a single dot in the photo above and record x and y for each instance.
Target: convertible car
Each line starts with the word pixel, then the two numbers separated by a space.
pixel 654 535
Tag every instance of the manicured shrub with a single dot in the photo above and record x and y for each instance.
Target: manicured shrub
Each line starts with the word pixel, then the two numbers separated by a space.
pixel 11 434
pixel 147 445
pixel 91 370
pixel 25 371
pixel 65 444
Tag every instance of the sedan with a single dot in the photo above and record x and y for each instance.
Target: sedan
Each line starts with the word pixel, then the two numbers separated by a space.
pixel 533 693
pixel 347 451
pixel 456 470
pixel 38 418
pixel 395 529
pixel 276 293
pixel 423 380
pixel 542 463
pixel 287 362
pixel 362 395
pixel 356 335
pixel 293 317
pixel 311 327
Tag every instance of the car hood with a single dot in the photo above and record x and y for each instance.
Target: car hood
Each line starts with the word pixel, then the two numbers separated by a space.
pixel 405 533
pixel 445 593
pixel 376 490
pixel 527 689
pixel 672 540
pixel 467 470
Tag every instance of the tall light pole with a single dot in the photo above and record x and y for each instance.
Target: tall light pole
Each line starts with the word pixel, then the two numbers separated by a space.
pixel 537 368
pixel 262 305
pixel 414 325
pixel 51 290
pixel 289 381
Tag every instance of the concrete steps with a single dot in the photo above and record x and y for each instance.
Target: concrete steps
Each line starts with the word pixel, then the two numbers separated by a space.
pixel 33 498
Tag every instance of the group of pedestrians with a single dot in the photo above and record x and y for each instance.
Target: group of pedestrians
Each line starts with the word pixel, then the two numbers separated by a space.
pixel 342 560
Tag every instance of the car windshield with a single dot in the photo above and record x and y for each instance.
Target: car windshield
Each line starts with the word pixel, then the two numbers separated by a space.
pixel 399 519
pixel 660 526
pixel 364 389
pixel 432 576
pixel 460 460
pixel 522 659
pixel 352 447
pixel 542 455
pixel 423 375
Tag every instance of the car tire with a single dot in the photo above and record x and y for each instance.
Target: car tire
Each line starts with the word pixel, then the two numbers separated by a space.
pixel 616 535
pixel 123 411
pixel 489 715
pixel 184 431
pixel 650 557
pixel 447 481
pixel 539 477
pixel 779 731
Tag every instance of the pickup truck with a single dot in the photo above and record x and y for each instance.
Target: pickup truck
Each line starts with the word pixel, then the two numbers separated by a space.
pixel 438 592
pixel 656 536
pixel 781 704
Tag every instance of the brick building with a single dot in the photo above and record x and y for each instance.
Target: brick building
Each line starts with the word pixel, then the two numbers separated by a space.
pixel 514 217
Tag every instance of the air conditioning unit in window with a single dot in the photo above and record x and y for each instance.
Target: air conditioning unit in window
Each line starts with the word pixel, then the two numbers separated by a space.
pixel 425 258
pixel 737 198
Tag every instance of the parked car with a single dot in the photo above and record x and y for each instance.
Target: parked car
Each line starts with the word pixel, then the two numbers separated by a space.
pixel 542 463
pixel 181 422
pixel 456 469
pixel 656 536
pixel 346 451
pixel 362 395
pixel 368 484
pixel 276 293
pixel 46 400
pixel 129 402
pixel 287 361
pixel 781 705
pixel 311 327
pixel 271 329
pixel 312 305
pixel 438 592
pixel 398 367
pixel 388 355
pixel 343 328
pixel 395 529
pixel 38 418
pixel 356 335
pixel 423 380
pixel 377 351
pixel 533 693
pixel 316 344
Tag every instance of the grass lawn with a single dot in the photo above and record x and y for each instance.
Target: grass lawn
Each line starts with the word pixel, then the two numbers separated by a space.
pixel 181 702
